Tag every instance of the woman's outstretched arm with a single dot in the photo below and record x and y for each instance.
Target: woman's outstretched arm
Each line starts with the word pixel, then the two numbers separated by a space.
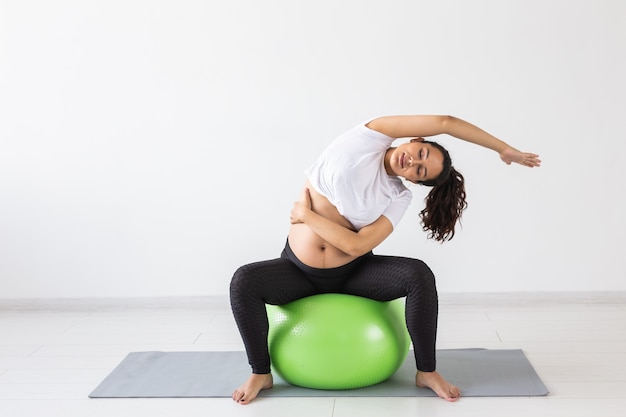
pixel 423 126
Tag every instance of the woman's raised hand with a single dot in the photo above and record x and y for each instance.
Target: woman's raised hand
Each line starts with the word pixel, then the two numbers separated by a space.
pixel 510 154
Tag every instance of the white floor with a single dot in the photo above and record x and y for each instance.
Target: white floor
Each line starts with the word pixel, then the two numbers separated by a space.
pixel 53 354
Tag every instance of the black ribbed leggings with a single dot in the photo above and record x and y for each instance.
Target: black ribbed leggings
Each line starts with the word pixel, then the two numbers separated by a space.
pixel 286 279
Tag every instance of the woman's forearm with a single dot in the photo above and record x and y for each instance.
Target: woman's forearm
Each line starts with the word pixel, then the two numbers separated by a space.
pixel 348 241
pixel 470 133
pixel 337 235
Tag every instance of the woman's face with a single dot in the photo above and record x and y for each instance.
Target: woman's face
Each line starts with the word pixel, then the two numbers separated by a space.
pixel 416 161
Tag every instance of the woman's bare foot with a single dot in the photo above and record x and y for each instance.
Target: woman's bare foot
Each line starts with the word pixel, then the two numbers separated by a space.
pixel 435 382
pixel 250 389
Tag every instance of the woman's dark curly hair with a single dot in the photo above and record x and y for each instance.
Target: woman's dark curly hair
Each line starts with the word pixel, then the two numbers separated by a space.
pixel 445 202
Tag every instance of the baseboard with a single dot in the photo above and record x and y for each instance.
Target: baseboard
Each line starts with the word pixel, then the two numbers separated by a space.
pixel 532 298
pixel 219 302
pixel 115 303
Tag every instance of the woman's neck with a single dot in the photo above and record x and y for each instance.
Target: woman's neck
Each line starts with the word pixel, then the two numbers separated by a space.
pixel 387 161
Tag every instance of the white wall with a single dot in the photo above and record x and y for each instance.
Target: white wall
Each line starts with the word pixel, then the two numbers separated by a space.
pixel 149 148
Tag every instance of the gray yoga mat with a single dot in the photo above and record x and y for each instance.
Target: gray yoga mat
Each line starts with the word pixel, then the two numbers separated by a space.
pixel 477 372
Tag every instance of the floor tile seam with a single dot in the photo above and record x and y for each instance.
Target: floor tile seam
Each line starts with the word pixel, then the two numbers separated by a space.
pixel 548 380
pixel 78 367
pixel 585 367
pixel 589 320
pixel 47 384
pixel 570 399
pixel 37 349
pixel 581 354
pixel 100 343
pixel 508 339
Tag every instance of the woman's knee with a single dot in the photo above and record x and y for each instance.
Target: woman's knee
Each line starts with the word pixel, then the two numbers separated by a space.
pixel 261 278
pixel 243 279
pixel 422 275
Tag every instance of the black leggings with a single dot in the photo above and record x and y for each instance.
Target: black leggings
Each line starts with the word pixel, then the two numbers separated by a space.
pixel 286 279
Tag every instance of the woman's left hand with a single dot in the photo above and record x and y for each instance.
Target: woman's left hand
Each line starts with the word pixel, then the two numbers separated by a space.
pixel 301 207
pixel 523 158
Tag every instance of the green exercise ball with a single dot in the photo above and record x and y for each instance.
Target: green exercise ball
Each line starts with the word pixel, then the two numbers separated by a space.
pixel 337 341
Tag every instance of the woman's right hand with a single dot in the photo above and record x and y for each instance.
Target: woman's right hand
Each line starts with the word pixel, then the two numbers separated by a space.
pixel 301 207
pixel 509 155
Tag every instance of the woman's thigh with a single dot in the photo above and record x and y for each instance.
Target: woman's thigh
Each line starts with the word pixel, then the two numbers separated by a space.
pixel 275 281
pixel 386 278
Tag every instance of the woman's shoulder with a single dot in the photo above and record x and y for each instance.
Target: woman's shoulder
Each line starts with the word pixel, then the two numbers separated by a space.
pixel 362 131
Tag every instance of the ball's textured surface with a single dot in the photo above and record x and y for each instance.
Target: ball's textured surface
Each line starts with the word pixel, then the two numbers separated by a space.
pixel 337 341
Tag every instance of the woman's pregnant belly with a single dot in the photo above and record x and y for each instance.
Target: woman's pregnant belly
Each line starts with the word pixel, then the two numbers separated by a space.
pixel 311 249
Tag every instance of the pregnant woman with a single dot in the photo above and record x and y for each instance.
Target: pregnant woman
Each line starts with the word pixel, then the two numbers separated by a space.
pixel 353 198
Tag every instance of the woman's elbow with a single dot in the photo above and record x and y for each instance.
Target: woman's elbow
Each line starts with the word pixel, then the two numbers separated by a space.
pixel 356 253
pixel 447 120
pixel 356 249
